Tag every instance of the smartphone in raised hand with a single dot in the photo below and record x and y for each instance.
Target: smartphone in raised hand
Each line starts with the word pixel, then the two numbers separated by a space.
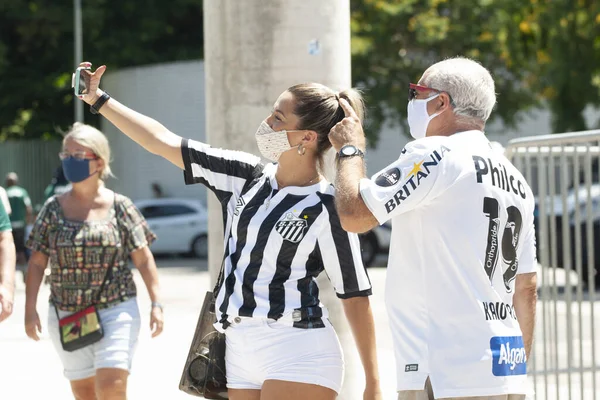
pixel 80 80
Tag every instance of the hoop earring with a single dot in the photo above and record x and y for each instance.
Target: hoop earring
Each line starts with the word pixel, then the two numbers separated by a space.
pixel 301 149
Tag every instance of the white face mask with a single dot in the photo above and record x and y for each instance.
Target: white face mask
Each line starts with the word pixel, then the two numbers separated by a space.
pixel 418 118
pixel 271 143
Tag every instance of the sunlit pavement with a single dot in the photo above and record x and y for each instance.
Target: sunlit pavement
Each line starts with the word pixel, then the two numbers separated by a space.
pixel 30 370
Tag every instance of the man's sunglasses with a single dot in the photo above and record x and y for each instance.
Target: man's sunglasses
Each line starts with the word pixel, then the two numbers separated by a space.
pixel 414 89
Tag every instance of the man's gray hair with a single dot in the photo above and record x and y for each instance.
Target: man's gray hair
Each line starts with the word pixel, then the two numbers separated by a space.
pixel 470 85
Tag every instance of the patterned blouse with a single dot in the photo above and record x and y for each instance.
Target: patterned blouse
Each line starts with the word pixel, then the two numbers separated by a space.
pixel 81 252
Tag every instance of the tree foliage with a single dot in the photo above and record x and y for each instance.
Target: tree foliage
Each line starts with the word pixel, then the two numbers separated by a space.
pixel 37 48
pixel 540 52
pixel 565 36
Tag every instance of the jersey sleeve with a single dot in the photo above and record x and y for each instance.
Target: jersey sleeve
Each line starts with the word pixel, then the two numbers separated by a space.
pixel 222 171
pixel 4 221
pixel 416 178
pixel 341 256
pixel 528 256
pixel 26 198
pixel 5 201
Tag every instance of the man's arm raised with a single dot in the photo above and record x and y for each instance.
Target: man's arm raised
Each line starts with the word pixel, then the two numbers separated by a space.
pixel 354 214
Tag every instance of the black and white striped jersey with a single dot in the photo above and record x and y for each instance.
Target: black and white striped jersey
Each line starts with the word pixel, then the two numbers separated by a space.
pixel 276 241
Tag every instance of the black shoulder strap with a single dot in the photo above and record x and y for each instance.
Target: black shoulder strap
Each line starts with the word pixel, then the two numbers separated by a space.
pixel 110 267
pixel 220 279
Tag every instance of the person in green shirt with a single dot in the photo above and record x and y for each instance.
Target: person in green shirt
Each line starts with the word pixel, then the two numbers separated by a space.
pixel 7 265
pixel 20 203
pixel 58 185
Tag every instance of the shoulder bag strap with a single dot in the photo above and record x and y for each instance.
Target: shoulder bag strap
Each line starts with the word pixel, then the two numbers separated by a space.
pixel 110 267
pixel 220 279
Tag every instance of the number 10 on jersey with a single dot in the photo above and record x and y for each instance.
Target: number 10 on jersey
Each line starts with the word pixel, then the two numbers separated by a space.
pixel 505 242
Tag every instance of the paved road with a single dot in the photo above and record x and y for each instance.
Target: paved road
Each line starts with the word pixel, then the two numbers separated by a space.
pixel 30 370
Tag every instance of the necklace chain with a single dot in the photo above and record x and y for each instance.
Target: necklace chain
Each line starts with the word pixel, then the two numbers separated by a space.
pixel 305 183
pixel 268 202
pixel 311 179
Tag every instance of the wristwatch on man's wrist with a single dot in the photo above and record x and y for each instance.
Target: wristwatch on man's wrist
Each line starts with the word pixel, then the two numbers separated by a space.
pixel 95 108
pixel 350 151
pixel 157 305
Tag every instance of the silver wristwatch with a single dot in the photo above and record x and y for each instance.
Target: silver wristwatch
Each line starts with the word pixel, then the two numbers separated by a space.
pixel 350 151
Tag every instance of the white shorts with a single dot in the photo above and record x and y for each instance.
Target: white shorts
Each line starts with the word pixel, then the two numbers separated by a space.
pixel 121 325
pixel 261 349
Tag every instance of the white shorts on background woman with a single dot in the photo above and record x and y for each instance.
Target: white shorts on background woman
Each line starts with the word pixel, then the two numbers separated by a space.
pixel 260 349
pixel 121 325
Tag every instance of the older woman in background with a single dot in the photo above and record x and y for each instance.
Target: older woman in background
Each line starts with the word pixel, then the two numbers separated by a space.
pixel 87 234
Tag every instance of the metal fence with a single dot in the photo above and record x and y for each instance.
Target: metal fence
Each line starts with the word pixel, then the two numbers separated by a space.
pixel 563 171
pixel 33 160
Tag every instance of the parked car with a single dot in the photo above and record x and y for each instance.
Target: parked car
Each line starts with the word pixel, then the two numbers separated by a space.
pixel 555 203
pixel 375 241
pixel 181 225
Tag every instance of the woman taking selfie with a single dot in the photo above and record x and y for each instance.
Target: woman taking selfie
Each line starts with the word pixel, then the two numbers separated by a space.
pixel 87 235
pixel 281 232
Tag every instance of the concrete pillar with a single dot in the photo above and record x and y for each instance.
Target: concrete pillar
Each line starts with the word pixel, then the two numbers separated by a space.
pixel 253 51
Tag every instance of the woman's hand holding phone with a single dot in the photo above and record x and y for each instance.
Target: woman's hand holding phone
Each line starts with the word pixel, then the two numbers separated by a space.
pixel 88 90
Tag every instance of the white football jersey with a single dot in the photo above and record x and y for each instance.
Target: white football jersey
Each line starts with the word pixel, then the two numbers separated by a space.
pixel 462 229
